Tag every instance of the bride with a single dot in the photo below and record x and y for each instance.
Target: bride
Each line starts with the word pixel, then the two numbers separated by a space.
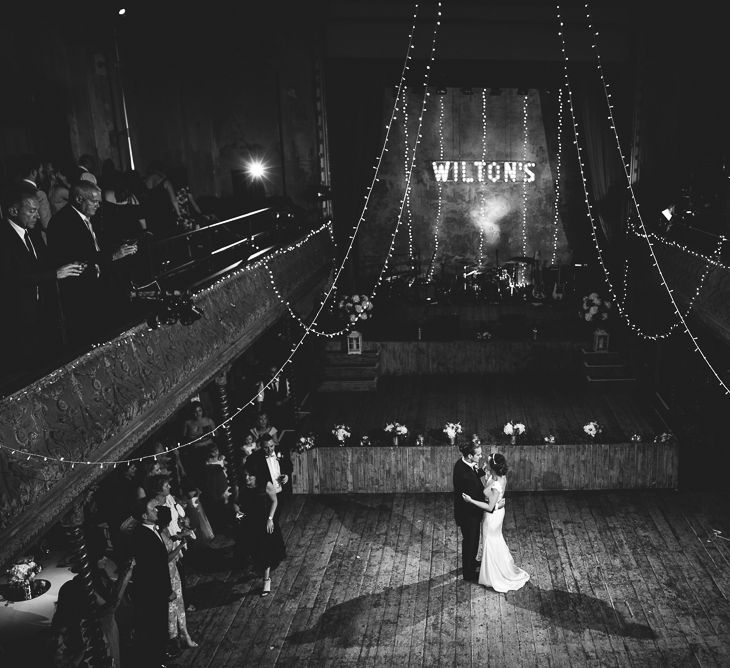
pixel 498 569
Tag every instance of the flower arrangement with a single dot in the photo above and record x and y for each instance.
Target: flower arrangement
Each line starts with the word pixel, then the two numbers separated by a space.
pixel 23 571
pixel 663 438
pixel 341 432
pixel 514 428
pixel 549 439
pixel 636 438
pixel 451 429
pixel 420 440
pixel 365 441
pixel 304 443
pixel 356 307
pixel 396 428
pixel 592 428
pixel 595 307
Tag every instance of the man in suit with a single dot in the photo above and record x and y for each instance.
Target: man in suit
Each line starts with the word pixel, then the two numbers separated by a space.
pixel 275 399
pixel 71 235
pixel 28 280
pixel 152 589
pixel 269 466
pixel 468 479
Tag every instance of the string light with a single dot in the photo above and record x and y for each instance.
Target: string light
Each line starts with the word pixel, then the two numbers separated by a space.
pixel 439 201
pixel 230 277
pixel 483 189
pixel 655 262
pixel 556 213
pixel 522 277
pixel 409 215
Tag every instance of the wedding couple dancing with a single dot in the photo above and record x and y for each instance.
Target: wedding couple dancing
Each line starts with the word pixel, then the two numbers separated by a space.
pixel 479 510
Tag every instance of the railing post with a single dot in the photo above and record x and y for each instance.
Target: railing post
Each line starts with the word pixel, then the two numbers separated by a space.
pixel 224 413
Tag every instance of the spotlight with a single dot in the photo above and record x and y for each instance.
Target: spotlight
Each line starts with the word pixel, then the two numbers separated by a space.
pixel 122 11
pixel 256 169
pixel 467 91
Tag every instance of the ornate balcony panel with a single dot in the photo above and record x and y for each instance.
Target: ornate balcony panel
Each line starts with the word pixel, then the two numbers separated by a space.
pixel 101 406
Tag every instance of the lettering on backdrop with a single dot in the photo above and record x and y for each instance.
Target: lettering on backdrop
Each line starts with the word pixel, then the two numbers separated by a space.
pixel 481 171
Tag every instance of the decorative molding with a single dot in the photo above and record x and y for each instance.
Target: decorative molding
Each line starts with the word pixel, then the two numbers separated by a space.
pixel 103 405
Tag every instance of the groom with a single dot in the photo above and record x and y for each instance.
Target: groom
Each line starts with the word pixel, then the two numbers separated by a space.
pixel 467 479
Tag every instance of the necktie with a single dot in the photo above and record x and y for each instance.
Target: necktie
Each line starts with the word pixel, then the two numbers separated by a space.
pixel 29 245
pixel 93 236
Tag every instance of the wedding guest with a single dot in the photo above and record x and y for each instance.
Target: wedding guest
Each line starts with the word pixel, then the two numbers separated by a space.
pixel 152 586
pixel 274 396
pixel 249 445
pixel 263 428
pixel 146 469
pixel 259 537
pixel 498 569
pixel 174 544
pixel 197 428
pixel 215 490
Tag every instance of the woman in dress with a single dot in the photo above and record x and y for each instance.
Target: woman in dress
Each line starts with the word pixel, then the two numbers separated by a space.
pixel 263 428
pixel 498 569
pixel 176 619
pixel 259 536
pixel 198 426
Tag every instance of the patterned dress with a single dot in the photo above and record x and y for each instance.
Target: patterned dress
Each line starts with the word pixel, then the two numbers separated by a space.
pixel 176 620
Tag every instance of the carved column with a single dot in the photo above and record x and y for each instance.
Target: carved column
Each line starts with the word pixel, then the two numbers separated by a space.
pixel 226 440
pixel 95 655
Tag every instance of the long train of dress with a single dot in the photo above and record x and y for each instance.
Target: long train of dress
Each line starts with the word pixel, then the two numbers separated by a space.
pixel 498 569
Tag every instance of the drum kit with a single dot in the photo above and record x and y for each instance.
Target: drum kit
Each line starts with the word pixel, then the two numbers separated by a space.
pixel 513 280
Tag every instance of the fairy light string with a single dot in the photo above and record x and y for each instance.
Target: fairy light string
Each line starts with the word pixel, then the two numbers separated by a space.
pixel 307 328
pixel 439 196
pixel 522 277
pixel 594 234
pixel 483 189
pixel 406 143
pixel 557 181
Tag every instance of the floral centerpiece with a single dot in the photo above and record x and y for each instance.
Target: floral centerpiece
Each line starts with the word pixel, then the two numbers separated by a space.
pixel 397 431
pixel 513 430
pixel 356 308
pixel 595 308
pixel 365 441
pixel 304 443
pixel 549 439
pixel 636 438
pixel 592 428
pixel 341 432
pixel 664 437
pixel 22 573
pixel 451 429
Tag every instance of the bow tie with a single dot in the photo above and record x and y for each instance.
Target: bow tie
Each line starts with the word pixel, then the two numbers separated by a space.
pixel 271 456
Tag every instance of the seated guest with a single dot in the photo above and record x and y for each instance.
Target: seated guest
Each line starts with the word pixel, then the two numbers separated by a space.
pixel 85 169
pixel 263 428
pixel 215 490
pixel 28 280
pixel 152 588
pixel 71 235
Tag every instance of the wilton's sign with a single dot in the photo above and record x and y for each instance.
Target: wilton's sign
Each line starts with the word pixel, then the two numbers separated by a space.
pixel 481 171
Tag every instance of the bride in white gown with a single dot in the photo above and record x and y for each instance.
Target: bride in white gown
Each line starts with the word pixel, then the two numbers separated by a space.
pixel 498 569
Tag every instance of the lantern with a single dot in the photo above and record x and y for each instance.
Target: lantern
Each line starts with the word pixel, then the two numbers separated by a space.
pixel 600 341
pixel 354 343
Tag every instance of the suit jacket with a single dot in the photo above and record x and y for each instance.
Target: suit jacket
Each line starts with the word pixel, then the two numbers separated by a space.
pixel 467 481
pixel 151 573
pixel 69 240
pixel 257 461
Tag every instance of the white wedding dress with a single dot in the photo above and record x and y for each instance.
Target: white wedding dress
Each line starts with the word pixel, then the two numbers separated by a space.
pixel 498 569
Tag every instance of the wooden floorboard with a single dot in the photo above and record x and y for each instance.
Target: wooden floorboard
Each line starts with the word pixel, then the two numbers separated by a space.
pixel 621 578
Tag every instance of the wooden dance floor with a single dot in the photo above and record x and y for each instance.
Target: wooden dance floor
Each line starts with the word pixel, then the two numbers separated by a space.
pixel 618 579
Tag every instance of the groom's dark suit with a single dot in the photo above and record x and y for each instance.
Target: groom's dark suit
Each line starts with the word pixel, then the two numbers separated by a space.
pixel 468 516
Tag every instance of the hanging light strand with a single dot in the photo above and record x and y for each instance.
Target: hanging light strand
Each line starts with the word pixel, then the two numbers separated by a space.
pixel 522 277
pixel 594 234
pixel 483 188
pixel 556 210
pixel 307 328
pixel 406 143
pixel 439 196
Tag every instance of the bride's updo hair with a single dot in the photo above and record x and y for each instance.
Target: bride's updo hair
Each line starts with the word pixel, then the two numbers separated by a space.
pixel 498 463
